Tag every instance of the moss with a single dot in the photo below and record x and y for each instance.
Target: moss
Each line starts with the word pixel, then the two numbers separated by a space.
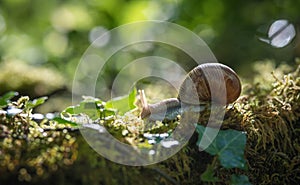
pixel 37 81
pixel 270 114
pixel 268 111
pixel 271 122
pixel 31 151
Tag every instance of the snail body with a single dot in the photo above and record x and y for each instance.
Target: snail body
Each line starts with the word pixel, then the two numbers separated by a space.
pixel 209 82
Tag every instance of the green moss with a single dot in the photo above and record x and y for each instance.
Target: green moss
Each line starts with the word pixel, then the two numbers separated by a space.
pixel 268 111
pixel 31 151
pixel 18 76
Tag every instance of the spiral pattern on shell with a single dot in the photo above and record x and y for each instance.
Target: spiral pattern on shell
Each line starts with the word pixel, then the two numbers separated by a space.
pixel 210 82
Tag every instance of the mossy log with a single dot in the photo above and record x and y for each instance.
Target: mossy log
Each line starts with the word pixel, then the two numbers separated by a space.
pixel 268 111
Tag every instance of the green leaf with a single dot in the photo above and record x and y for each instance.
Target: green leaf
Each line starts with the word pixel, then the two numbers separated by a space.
pixel 5 99
pixel 132 98
pixel 36 102
pixel 63 121
pixel 69 110
pixel 229 145
pixel 208 175
pixel 124 103
pixel 239 180
pixel 90 106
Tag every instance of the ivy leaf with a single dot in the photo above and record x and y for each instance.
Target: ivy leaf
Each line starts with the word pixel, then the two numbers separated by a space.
pixel 124 103
pixel 208 175
pixel 5 99
pixel 228 145
pixel 239 180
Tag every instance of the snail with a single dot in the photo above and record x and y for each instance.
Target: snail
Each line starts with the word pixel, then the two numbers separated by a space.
pixel 213 82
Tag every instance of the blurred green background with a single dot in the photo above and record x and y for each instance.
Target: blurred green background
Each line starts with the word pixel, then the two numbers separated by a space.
pixel 41 42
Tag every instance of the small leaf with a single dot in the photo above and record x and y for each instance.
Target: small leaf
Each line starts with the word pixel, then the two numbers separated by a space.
pixel 132 98
pixel 107 112
pixel 239 180
pixel 124 103
pixel 36 102
pixel 63 121
pixel 229 145
pixel 69 110
pixel 5 99
pixel 90 106
pixel 208 175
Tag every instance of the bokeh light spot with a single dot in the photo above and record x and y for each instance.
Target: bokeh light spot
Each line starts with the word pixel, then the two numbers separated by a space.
pixel 56 43
pixel 97 32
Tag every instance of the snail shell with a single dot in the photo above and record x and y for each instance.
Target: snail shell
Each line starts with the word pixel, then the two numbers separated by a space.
pixel 210 82
pixel 207 82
